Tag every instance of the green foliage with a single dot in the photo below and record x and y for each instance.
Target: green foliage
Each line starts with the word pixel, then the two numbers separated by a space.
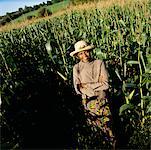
pixel 81 1
pixel 121 34
pixel 30 17
pixel 52 8
pixel 125 107
pixel 141 136
pixel 44 12
pixel 56 1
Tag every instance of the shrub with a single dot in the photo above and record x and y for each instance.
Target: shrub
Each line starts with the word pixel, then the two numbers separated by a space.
pixel 30 17
pixel 44 12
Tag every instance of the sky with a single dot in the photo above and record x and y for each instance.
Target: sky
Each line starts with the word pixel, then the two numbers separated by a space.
pixel 13 5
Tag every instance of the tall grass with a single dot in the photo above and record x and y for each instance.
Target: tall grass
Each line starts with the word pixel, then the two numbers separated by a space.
pixel 119 29
pixel 103 4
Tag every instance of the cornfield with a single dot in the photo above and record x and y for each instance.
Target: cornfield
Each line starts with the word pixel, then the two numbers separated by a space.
pixel 36 72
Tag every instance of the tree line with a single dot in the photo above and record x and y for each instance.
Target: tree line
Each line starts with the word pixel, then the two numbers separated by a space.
pixel 13 15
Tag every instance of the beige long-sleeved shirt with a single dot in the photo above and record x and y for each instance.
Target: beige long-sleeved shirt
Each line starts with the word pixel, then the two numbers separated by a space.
pixel 94 75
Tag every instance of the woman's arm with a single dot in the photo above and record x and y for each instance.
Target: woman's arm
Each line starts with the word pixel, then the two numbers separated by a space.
pixel 102 83
pixel 76 80
pixel 81 88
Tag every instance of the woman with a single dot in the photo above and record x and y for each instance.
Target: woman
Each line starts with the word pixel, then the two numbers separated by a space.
pixel 90 79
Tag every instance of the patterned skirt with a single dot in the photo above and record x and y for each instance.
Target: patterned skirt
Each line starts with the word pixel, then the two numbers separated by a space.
pixel 99 115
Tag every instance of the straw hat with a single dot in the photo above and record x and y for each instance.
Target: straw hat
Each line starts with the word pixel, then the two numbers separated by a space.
pixel 81 46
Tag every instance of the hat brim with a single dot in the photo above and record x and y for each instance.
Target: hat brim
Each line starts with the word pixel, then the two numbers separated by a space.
pixel 90 47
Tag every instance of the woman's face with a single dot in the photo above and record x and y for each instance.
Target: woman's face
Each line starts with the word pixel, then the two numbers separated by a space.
pixel 84 56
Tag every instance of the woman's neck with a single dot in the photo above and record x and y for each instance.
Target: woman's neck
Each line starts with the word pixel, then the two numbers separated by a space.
pixel 88 60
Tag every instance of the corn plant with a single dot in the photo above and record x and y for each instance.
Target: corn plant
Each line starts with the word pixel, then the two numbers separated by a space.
pixel 121 36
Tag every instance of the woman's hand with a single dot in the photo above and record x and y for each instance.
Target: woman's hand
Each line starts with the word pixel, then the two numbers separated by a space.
pixel 101 79
pixel 82 85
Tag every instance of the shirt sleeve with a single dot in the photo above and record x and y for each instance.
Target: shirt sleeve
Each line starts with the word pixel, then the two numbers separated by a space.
pixel 102 83
pixel 76 79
